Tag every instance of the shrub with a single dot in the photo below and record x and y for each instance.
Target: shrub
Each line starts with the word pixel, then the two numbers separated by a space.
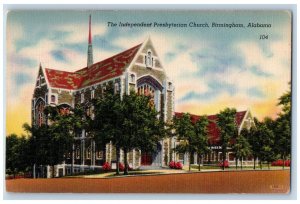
pixel 121 166
pixel 175 165
pixel 226 164
pixel 280 163
pixel 106 166
pixel 178 165
pixel 172 164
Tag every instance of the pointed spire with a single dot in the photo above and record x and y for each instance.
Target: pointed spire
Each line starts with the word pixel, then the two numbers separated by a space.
pixel 90 33
pixel 90 47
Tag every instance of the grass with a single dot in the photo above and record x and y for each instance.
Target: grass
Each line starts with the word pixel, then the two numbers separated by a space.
pixel 132 173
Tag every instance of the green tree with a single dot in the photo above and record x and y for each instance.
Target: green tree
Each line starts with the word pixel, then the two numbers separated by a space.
pixel 16 154
pixel 283 128
pixel 264 140
pixel 40 145
pixel 201 139
pixel 65 124
pixel 185 131
pixel 106 125
pixel 228 129
pixel 141 127
pixel 241 147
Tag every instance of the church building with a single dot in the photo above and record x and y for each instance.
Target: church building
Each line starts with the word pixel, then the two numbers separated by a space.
pixel 137 68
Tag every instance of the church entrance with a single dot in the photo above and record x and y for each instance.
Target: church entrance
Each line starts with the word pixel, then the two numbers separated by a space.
pixel 146 158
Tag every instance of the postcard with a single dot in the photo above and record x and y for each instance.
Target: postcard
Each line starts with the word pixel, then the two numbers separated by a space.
pixel 148 101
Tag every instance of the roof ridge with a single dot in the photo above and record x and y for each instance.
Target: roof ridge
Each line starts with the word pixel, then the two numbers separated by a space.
pixel 110 57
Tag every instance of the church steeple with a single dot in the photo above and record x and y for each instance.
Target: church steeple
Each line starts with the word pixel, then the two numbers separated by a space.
pixel 90 47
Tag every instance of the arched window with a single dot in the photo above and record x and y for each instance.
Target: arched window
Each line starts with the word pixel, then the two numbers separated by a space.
pixel 77 154
pixel 132 78
pixel 92 94
pixel 53 99
pixel 88 152
pixel 82 97
pixel 40 113
pixel 117 88
pixel 149 59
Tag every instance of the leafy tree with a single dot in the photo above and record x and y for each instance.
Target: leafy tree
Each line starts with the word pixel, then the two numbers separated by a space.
pixel 262 142
pixel 40 146
pixel 65 124
pixel 228 129
pixel 283 138
pixel 16 154
pixel 106 125
pixel 186 135
pixel 283 128
pixel 201 139
pixel 141 128
pixel 241 147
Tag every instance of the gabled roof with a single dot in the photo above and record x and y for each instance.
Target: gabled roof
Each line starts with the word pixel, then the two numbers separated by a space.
pixel 100 71
pixel 213 130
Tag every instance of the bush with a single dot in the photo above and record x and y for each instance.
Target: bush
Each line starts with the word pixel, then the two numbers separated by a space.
pixel 121 166
pixel 175 165
pixel 280 163
pixel 178 165
pixel 172 164
pixel 226 164
pixel 106 166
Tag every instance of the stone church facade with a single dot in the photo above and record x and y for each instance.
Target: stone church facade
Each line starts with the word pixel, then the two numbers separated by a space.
pixel 138 68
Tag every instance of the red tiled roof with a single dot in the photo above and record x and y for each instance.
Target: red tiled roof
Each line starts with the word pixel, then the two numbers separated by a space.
pixel 100 71
pixel 213 131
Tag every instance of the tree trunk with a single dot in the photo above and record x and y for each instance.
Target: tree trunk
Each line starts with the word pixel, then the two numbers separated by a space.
pixel 236 163
pixel 118 160
pixel 34 175
pixel 254 162
pixel 53 174
pixel 283 159
pixel 42 171
pixel 104 153
pixel 72 160
pixel 199 162
pixel 223 158
pixel 269 165
pixel 241 163
pixel 260 163
pixel 126 163
pixel 189 161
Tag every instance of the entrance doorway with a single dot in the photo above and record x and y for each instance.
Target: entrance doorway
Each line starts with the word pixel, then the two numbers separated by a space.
pixel 146 158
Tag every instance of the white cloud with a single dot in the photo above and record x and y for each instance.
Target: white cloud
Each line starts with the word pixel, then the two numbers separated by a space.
pixel 79 32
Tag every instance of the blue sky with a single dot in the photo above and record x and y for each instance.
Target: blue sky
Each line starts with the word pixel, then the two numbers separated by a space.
pixel 212 68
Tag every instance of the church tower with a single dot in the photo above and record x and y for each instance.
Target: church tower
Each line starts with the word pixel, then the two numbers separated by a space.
pixel 90 47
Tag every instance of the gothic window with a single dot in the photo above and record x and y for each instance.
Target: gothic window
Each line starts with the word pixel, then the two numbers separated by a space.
pixel 88 152
pixel 117 88
pixel 77 154
pixel 169 85
pixel 92 94
pixel 64 111
pixel 82 97
pixel 53 99
pixel 40 113
pixel 92 112
pixel 99 154
pixel 69 155
pixel 89 111
pixel 149 59
pixel 132 78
